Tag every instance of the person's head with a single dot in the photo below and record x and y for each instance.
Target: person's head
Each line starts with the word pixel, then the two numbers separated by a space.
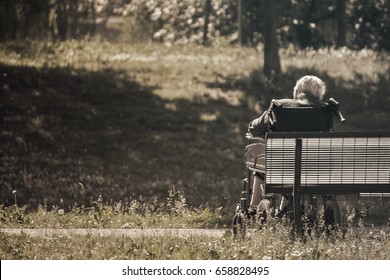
pixel 309 88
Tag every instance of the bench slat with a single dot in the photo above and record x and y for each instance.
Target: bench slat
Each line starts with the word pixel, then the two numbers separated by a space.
pixel 330 160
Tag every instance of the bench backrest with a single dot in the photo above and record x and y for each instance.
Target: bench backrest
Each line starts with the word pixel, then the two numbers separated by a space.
pixel 329 158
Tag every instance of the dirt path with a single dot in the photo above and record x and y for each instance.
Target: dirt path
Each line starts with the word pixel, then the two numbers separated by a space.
pixel 217 233
pixel 43 232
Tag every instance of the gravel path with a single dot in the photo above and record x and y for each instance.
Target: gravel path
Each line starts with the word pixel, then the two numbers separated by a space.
pixel 218 233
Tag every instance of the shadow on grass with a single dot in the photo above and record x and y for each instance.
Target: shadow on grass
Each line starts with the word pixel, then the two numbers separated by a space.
pixel 69 136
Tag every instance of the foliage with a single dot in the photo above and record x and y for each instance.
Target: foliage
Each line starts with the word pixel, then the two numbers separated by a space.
pixel 183 21
pixel 371 22
pixel 308 23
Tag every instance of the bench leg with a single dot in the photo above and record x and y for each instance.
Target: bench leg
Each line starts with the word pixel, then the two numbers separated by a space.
pixel 297 186
pixel 297 211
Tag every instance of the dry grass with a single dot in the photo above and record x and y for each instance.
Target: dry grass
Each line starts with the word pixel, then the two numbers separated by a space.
pixel 270 244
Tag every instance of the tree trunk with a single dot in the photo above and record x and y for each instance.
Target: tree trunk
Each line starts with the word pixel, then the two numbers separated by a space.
pixel 62 19
pixel 305 34
pixel 207 12
pixel 8 21
pixel 73 17
pixel 239 21
pixel 93 11
pixel 341 23
pixel 271 47
pixel 37 19
pixel 245 31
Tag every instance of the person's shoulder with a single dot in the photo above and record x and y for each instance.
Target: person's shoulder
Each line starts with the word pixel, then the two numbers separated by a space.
pixel 288 102
pixel 298 103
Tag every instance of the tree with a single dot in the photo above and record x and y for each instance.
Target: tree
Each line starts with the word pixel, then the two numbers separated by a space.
pixel 36 19
pixel 245 28
pixel 341 23
pixel 8 20
pixel 207 12
pixel 271 45
pixel 307 18
pixel 62 19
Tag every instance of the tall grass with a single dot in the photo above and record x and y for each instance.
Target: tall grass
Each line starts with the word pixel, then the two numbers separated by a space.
pixel 271 243
pixel 275 241
pixel 102 214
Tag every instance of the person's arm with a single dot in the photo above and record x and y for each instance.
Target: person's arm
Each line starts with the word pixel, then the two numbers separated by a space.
pixel 258 127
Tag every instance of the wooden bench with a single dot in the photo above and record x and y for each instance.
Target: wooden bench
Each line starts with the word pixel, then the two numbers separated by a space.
pixel 298 163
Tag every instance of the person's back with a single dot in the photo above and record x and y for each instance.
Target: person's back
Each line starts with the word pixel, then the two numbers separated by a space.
pixel 308 92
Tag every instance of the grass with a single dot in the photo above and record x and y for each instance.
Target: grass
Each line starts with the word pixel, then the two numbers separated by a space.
pixel 95 134
pixel 86 118
pixel 272 243
pixel 174 213
pixel 276 241
pixel 110 125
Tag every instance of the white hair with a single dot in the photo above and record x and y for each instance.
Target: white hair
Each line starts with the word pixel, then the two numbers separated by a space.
pixel 310 88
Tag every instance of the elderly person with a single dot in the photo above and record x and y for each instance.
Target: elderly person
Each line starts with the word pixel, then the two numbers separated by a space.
pixel 309 91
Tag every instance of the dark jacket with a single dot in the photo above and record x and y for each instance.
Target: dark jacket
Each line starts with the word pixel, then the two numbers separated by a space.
pixel 258 127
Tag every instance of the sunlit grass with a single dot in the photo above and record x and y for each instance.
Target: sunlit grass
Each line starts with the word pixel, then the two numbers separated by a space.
pixel 174 213
pixel 176 71
pixel 179 65
pixel 340 63
pixel 271 243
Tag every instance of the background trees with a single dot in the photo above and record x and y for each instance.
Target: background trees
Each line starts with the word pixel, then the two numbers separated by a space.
pixel 309 23
pixel 315 24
